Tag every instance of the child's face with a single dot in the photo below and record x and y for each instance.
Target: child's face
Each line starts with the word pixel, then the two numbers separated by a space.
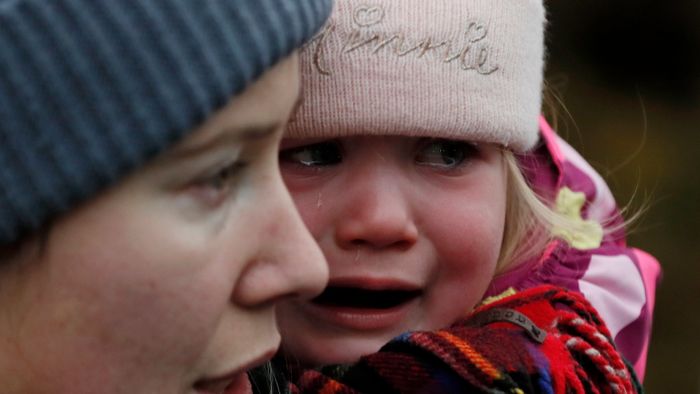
pixel 411 229
pixel 167 282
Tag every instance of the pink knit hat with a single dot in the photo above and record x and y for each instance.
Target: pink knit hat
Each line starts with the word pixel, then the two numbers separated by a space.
pixel 466 69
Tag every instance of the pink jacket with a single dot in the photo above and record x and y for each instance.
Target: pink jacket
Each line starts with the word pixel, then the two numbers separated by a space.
pixel 619 281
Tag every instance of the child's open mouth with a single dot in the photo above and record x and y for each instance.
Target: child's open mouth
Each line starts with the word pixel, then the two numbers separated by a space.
pixel 360 298
pixel 366 304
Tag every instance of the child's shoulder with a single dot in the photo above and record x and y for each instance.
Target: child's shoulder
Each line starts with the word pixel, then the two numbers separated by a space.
pixel 620 281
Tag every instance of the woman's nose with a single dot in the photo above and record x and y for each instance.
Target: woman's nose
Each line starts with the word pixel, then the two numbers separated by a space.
pixel 376 212
pixel 290 263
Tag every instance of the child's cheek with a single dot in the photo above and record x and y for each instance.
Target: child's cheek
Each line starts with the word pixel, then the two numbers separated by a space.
pixel 314 203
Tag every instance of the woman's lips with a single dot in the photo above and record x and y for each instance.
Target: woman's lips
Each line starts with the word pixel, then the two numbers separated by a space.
pixel 235 382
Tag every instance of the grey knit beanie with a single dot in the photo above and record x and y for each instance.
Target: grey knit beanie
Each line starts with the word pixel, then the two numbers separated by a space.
pixel 92 89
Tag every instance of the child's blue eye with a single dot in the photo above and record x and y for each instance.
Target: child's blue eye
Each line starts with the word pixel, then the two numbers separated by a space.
pixel 444 154
pixel 325 153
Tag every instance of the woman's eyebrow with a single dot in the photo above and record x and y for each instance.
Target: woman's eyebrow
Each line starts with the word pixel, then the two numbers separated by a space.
pixel 255 133
pixel 297 104
pixel 299 101
pixel 229 136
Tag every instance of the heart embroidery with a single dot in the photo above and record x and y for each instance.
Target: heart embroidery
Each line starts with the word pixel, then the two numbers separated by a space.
pixel 368 15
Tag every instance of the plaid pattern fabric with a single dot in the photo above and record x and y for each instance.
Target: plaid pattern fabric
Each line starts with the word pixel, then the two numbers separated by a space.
pixel 541 340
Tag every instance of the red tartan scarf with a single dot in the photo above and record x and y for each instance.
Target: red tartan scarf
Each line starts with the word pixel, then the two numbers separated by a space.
pixel 541 340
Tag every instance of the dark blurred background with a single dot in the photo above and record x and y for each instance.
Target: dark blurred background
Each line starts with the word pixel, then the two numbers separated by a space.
pixel 628 73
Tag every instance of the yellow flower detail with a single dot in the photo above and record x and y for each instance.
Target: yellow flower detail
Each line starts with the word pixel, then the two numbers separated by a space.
pixel 579 233
pixel 508 292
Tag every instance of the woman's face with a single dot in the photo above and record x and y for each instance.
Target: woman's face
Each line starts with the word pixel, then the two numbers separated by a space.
pixel 411 229
pixel 167 282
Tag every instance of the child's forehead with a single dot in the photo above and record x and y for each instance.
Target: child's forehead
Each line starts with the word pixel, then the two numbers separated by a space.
pixel 401 142
pixel 350 136
pixel 451 69
pixel 399 132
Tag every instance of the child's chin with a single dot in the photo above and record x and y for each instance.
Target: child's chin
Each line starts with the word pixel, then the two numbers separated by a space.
pixel 344 350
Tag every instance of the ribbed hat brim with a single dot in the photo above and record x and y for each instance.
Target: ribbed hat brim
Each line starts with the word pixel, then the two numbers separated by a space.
pixel 91 89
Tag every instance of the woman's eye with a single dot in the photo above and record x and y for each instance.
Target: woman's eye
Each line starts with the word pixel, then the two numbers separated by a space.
pixel 222 179
pixel 445 154
pixel 315 155
pixel 214 188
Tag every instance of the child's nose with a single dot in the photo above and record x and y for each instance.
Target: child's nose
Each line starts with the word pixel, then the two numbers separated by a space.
pixel 376 214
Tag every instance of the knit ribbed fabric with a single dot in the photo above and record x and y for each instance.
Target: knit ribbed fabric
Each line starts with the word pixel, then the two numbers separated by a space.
pixel 464 69
pixel 91 89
